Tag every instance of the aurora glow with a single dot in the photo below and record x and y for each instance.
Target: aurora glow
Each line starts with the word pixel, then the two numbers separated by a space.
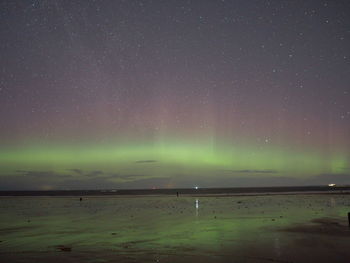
pixel 165 160
pixel 139 94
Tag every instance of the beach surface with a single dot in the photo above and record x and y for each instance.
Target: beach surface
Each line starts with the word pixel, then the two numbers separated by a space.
pixel 261 228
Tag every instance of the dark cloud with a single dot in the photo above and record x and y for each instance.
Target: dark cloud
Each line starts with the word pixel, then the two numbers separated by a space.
pixel 135 178
pixel 127 176
pixel 95 173
pixel 91 173
pixel 96 179
pixel 115 175
pixel 43 180
pixel 146 161
pixel 41 174
pixel 251 171
pixel 77 171
pixel 47 180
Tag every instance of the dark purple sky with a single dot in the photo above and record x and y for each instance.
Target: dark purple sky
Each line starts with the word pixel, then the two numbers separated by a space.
pixel 205 80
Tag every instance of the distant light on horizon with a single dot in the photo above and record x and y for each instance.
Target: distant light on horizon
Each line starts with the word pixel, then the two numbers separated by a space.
pixel 168 94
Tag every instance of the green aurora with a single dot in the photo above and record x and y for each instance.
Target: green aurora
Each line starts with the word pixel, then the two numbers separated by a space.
pixel 126 94
pixel 168 160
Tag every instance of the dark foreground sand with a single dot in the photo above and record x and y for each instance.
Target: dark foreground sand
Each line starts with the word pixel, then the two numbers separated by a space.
pixel 279 228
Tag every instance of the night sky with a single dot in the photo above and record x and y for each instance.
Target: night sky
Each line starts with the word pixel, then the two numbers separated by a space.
pixel 159 94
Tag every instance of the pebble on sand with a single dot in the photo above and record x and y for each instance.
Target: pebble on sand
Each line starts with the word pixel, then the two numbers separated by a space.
pixel 64 248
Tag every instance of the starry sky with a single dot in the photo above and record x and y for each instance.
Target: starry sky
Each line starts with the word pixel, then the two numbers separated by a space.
pixel 162 94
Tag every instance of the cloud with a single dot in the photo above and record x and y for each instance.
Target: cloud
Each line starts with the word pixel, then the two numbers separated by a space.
pixel 43 180
pixel 96 179
pixel 146 161
pixel 126 176
pixel 41 174
pixel 251 171
pixel 81 172
pixel 135 178
pixel 77 171
pixel 94 173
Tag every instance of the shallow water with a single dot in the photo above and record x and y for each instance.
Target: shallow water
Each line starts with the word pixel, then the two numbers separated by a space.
pixel 280 228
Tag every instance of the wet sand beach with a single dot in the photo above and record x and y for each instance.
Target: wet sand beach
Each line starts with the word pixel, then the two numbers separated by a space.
pixel 262 228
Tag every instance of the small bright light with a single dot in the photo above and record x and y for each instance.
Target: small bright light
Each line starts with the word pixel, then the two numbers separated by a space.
pixel 331 184
pixel 196 187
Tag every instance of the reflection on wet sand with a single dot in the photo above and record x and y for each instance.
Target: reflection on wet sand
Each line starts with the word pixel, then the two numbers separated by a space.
pixel 286 228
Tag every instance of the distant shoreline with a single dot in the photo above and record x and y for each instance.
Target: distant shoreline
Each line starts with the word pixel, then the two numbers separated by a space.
pixel 218 192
